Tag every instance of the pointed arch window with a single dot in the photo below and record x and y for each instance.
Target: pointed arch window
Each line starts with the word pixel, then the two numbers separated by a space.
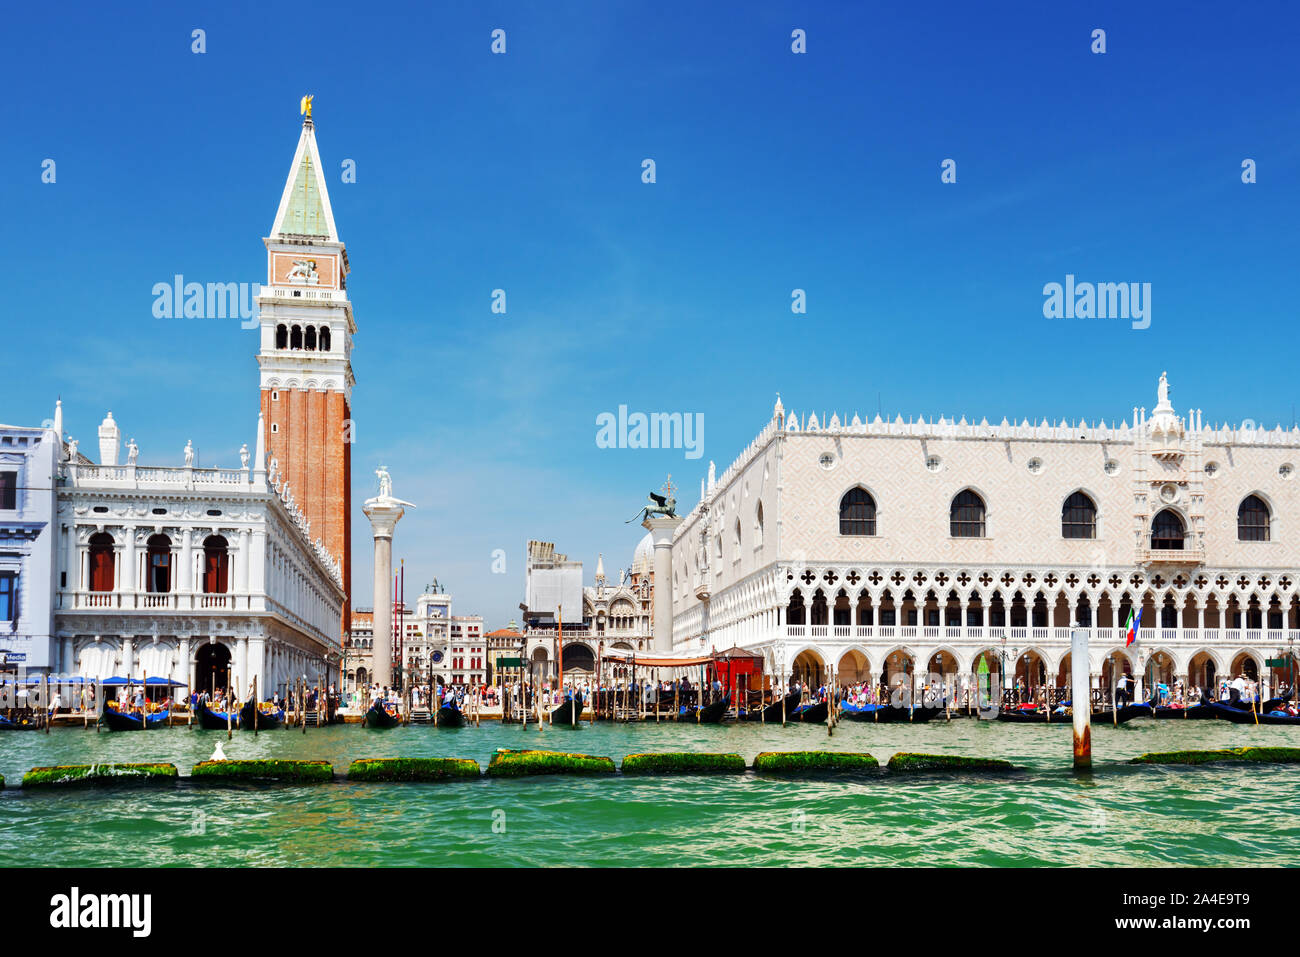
pixel 1079 517
pixel 1253 520
pixel 158 568
pixel 758 525
pixel 101 562
pixel 857 513
pixel 1168 531
pixel 966 515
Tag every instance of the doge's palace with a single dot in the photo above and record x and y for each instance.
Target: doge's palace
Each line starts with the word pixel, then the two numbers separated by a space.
pixel 884 548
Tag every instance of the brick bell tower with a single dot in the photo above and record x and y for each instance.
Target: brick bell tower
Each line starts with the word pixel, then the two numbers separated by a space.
pixel 306 355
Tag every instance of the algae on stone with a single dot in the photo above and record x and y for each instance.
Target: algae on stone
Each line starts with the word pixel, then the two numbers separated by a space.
pixel 412 769
pixel 683 762
pixel 509 764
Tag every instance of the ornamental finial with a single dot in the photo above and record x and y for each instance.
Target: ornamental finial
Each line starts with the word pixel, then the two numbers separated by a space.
pixel 304 107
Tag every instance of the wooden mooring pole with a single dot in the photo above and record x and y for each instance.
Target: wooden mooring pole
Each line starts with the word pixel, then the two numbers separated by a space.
pixel 1080 695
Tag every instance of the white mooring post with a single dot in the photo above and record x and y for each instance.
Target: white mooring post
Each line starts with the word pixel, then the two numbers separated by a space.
pixel 1079 697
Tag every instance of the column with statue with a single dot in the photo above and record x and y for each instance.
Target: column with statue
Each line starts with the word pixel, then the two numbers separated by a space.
pixel 661 520
pixel 384 512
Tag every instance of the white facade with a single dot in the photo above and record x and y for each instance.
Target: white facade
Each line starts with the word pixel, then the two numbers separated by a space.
pixel 763 560
pixel 28 568
pixel 181 572
pixel 552 583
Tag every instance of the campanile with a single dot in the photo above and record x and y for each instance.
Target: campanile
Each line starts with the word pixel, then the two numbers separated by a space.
pixel 305 355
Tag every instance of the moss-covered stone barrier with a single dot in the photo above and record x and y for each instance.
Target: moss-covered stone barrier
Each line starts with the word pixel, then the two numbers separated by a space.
pixel 906 761
pixel 513 764
pixel 75 775
pixel 288 772
pixel 1264 755
pixel 2 782
pixel 683 762
pixel 412 769
pixel 814 762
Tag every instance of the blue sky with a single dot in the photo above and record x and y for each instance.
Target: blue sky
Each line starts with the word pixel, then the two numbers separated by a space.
pixel 775 171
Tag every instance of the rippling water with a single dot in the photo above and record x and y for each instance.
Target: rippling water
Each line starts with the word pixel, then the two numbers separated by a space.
pixel 1044 815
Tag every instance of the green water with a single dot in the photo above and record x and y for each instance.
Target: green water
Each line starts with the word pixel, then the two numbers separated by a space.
pixel 1046 815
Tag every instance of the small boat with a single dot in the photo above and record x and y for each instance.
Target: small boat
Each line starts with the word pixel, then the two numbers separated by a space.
pixel 28 721
pixel 380 717
pixel 116 720
pixel 564 713
pixel 449 715
pixel 212 720
pixel 267 720
pixel 813 713
pixel 773 711
pixel 1196 712
pixel 709 714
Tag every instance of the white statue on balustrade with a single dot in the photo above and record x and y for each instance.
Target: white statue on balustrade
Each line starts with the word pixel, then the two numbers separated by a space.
pixel 189 454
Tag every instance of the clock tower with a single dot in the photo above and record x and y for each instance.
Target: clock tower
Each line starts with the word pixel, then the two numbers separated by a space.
pixel 305 356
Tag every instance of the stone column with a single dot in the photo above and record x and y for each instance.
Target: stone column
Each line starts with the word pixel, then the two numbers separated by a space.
pixel 257 666
pixel 241 666
pixel 384 513
pixel 128 658
pixel 661 529
pixel 184 672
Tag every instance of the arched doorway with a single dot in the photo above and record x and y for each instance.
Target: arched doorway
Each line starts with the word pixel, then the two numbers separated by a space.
pixel 1202 673
pixel 363 678
pixel 211 663
pixel 853 668
pixel 809 669
pixel 578 657
pixel 1031 673
pixel 1245 665
pixel 898 670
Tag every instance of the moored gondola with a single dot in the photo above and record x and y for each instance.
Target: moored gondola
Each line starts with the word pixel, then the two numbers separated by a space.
pixel 564 714
pixel 900 714
pixel 773 711
pixel 860 712
pixel 116 720
pixel 379 715
pixel 212 720
pixel 709 714
pixel 450 716
pixel 267 720
pixel 27 721
pixel 1021 716
pixel 1226 712
pixel 813 713
pixel 1196 712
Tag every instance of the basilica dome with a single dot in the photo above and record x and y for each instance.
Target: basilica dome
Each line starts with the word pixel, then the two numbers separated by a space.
pixel 643 557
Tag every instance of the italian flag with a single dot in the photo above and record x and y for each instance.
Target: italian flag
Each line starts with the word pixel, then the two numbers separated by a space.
pixel 1134 623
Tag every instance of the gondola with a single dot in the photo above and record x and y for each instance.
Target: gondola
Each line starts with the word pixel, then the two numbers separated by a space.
pixel 564 713
pixel 1126 713
pixel 1019 716
pixel 709 714
pixel 213 720
pixel 1227 712
pixel 860 712
pixel 813 713
pixel 449 715
pixel 266 720
pixel 116 720
pixel 380 717
pixel 1196 712
pixel 900 714
pixel 772 713
pixel 25 722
